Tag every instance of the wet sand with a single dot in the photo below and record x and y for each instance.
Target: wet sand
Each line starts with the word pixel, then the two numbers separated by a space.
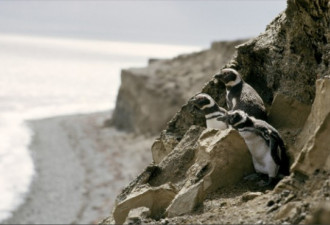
pixel 80 168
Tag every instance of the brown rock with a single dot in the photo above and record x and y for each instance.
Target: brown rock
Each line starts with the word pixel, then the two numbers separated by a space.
pixel 228 155
pixel 154 198
pixel 287 211
pixel 174 166
pixel 186 200
pixel 222 159
pixel 287 112
pixel 136 215
pixel 321 215
pixel 314 138
pixel 163 146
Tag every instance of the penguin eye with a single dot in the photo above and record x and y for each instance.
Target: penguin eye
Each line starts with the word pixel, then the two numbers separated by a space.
pixel 231 76
pixel 203 101
pixel 234 118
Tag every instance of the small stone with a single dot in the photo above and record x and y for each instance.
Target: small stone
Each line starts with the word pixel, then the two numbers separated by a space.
pixel 289 198
pixel 303 215
pixel 273 208
pixel 250 195
pixel 223 204
pixel 285 193
pixel 164 221
pixel 259 222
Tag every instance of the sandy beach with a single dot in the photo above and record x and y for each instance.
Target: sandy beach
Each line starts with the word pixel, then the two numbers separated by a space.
pixel 80 168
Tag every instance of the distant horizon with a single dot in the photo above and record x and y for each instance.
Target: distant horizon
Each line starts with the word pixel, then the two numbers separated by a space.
pixel 192 23
pixel 97 38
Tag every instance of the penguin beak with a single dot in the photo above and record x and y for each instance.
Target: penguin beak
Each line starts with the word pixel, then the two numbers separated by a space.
pixel 193 101
pixel 217 78
pixel 229 119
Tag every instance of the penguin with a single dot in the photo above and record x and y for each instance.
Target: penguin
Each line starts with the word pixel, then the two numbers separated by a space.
pixel 240 95
pixel 269 155
pixel 214 114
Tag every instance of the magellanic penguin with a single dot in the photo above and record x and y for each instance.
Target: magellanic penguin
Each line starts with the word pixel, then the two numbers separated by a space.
pixel 265 144
pixel 240 95
pixel 214 114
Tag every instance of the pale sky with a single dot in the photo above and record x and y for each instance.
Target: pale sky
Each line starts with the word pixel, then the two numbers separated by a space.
pixel 183 22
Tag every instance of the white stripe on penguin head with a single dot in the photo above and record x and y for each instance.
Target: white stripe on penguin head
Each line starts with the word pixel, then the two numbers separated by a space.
pixel 243 115
pixel 211 104
pixel 237 80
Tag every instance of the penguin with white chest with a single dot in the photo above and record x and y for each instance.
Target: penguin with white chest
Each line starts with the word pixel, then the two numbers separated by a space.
pixel 240 95
pixel 214 114
pixel 264 143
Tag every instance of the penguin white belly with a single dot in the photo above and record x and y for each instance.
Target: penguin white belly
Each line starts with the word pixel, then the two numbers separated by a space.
pixel 260 151
pixel 216 124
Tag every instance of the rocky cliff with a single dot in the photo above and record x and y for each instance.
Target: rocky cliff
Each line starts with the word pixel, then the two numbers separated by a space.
pixel 149 97
pixel 196 176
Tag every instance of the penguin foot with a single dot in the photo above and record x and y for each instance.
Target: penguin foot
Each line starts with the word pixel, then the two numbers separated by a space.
pixel 263 183
pixel 252 177
pixel 271 182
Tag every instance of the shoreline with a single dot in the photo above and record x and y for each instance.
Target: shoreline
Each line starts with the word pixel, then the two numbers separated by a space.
pixel 80 167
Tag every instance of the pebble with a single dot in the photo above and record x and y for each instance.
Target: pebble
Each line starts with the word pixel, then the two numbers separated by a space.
pixel 289 198
pixel 273 208
pixel 285 193
pixel 223 204
pixel 250 195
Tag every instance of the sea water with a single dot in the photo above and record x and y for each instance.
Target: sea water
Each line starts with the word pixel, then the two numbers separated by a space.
pixel 43 77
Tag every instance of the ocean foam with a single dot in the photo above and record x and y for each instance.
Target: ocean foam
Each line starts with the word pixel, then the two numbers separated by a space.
pixel 16 166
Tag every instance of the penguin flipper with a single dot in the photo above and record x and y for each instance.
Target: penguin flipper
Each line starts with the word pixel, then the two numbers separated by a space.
pixel 285 161
pixel 274 151
pixel 279 154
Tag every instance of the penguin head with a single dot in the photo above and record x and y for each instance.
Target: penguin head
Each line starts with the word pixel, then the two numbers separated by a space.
pixel 237 118
pixel 229 77
pixel 202 101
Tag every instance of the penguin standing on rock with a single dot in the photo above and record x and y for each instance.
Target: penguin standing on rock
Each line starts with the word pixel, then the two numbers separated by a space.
pixel 240 95
pixel 214 114
pixel 265 144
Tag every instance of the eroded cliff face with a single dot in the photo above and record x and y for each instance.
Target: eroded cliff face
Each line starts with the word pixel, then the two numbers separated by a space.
pixel 149 97
pixel 200 170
